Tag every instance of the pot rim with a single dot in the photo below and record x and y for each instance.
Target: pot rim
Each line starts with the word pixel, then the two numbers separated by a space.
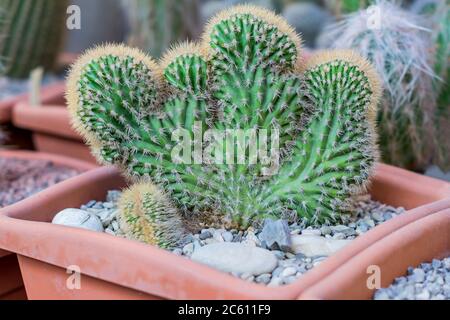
pixel 390 250
pixel 42 241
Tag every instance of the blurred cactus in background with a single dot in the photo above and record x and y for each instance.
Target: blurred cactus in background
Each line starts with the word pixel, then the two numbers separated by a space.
pixel 156 24
pixel 33 32
pixel 343 7
pixel 398 44
pixel 438 12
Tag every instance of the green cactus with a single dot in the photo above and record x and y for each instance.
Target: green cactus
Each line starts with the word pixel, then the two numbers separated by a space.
pixel 246 75
pixel 343 7
pixel 399 49
pixel 440 15
pixel 155 24
pixel 146 215
pixel 34 32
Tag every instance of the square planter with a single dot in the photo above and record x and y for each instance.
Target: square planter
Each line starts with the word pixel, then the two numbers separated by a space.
pixel 51 128
pixel 11 284
pixel 420 241
pixel 116 268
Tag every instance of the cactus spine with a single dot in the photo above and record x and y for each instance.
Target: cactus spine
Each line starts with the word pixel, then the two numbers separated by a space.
pixel 146 215
pixel 398 48
pixel 33 34
pixel 247 75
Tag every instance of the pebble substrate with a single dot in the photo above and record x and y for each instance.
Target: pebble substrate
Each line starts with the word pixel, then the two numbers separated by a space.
pixel 429 281
pixel 291 266
pixel 21 178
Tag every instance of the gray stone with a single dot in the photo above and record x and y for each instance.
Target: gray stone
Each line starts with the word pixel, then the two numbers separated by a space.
pixel 227 236
pixel 276 235
pixel 325 230
pixel 206 234
pixel 188 249
pixel 113 196
pixel 263 278
pixel 347 231
pixel 78 219
pixel 312 232
pixel 236 257
pixel 290 271
pixel 418 275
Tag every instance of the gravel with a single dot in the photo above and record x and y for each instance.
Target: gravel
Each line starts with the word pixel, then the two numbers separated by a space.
pixel 429 281
pixel 20 178
pixel 368 214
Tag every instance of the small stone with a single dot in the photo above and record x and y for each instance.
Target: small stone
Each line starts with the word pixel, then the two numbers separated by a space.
pixel 263 278
pixel 276 235
pixel 279 254
pixel 236 257
pixel 217 235
pixel 418 275
pixel 347 231
pixel 113 196
pixel 325 230
pixel 436 263
pixel 108 205
pixel 91 203
pixel 277 272
pixel 227 236
pixel 377 216
pixel 115 225
pixel 205 235
pixel 275 282
pixel 288 272
pixel 177 252
pixel 424 295
pixel 312 232
pixel 290 280
pixel 188 249
pixel 209 241
pixel 78 219
pixel 109 231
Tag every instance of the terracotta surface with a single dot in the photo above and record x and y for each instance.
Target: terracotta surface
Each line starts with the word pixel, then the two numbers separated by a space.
pixel 50 94
pixel 113 263
pixel 52 131
pixel 11 286
pixel 420 241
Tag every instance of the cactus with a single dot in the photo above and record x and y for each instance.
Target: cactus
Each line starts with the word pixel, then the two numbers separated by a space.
pixel 147 215
pixel 245 75
pixel 399 49
pixel 155 24
pixel 343 7
pixel 33 32
pixel 439 13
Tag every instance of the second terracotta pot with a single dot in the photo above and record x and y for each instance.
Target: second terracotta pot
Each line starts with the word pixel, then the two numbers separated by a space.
pixel 116 268
pixel 421 241
pixel 11 284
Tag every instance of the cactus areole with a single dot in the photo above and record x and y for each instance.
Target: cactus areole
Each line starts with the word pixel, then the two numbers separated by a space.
pixel 246 74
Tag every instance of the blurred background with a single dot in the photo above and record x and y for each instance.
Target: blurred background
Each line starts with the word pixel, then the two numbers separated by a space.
pixel 407 42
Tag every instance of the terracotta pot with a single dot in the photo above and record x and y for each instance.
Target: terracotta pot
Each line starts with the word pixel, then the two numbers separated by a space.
pixel 116 268
pixel 11 285
pixel 52 131
pixel 50 94
pixel 420 241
